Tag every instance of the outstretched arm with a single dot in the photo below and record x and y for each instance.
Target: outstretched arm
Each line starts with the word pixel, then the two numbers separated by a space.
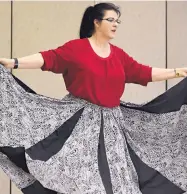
pixel 142 74
pixel 55 60
pixel 34 61
pixel 160 74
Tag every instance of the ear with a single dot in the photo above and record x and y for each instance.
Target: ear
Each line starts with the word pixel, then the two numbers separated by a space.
pixel 97 23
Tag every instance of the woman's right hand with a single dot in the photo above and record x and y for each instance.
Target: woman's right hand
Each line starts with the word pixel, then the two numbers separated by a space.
pixel 8 63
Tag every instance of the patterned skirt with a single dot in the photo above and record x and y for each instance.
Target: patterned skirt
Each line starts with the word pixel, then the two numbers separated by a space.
pixel 71 146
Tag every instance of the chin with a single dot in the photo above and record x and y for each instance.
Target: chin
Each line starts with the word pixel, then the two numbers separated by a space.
pixel 111 37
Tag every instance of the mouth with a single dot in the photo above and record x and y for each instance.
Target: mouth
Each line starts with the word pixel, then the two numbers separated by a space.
pixel 114 31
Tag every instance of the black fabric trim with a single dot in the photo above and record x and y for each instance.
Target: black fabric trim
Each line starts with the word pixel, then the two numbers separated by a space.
pixel 16 155
pixel 150 180
pixel 51 145
pixel 24 86
pixel 169 101
pixel 103 163
pixel 37 188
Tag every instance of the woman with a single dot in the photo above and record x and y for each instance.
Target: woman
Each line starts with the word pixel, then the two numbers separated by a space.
pixel 90 142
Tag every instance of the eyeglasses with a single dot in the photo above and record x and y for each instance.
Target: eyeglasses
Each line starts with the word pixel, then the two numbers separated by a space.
pixel 112 20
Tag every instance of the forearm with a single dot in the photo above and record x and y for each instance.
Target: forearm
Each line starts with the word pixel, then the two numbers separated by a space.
pixel 34 61
pixel 160 74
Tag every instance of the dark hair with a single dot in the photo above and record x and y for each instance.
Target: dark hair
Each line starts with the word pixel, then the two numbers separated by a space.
pixel 94 12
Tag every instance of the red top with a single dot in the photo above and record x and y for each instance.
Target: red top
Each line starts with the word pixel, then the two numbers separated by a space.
pixel 88 76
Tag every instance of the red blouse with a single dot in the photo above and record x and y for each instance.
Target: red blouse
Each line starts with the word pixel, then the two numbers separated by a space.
pixel 88 76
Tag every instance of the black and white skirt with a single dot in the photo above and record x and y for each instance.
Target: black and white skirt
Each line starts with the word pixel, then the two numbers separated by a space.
pixel 71 146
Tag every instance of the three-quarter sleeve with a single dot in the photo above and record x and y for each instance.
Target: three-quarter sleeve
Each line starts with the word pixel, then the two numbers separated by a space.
pixel 136 72
pixel 57 60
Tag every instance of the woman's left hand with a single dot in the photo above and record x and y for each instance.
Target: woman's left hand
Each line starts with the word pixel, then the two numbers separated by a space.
pixel 181 72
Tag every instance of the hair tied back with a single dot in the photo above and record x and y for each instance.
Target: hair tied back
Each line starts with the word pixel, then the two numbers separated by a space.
pixel 90 12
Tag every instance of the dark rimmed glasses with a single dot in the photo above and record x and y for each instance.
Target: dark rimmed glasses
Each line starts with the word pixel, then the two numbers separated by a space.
pixel 112 20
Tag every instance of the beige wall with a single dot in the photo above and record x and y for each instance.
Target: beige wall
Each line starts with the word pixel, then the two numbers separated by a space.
pixel 5 34
pixel 43 25
pixel 177 37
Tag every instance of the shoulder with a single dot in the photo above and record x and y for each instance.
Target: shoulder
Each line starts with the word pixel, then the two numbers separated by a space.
pixel 75 43
pixel 71 46
pixel 119 51
pixel 74 46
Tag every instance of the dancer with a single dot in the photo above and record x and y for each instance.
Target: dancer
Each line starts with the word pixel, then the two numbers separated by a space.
pixel 90 142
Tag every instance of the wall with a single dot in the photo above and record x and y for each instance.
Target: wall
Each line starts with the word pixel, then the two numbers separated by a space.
pixel 153 32
pixel 5 51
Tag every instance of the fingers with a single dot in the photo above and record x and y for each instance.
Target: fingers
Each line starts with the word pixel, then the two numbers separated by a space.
pixel 183 73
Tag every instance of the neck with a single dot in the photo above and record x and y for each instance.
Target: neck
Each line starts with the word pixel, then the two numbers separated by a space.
pixel 99 41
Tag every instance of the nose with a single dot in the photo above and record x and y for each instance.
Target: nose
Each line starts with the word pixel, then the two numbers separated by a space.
pixel 115 25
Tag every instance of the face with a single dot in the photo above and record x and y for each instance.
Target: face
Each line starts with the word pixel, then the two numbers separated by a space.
pixel 108 25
